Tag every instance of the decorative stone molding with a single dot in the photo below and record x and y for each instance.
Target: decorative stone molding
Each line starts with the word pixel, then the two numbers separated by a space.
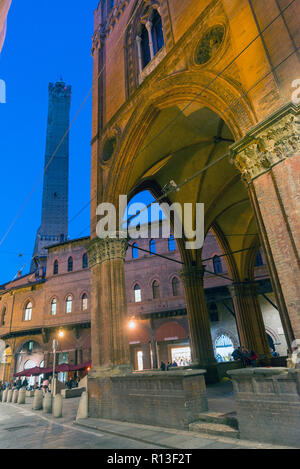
pixel 269 143
pixel 106 249
pixel 152 64
pixel 192 274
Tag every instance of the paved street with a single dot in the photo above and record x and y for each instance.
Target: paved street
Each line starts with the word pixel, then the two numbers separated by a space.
pixel 23 428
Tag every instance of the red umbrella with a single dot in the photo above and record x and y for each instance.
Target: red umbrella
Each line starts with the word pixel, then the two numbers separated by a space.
pixel 82 366
pixel 63 368
pixel 36 371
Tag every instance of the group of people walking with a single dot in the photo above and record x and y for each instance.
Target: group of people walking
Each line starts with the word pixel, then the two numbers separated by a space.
pixel 247 357
pixel 166 367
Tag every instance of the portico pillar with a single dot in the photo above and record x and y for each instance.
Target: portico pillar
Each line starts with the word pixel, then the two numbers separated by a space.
pixel 151 46
pixel 199 325
pixel 269 160
pixel 109 340
pixel 139 48
pixel 249 318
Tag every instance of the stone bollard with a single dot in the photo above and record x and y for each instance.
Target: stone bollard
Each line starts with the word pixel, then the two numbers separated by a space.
pixel 37 400
pixel 47 403
pixel 4 395
pixel 57 406
pixel 9 395
pixel 83 412
pixel 15 396
pixel 22 396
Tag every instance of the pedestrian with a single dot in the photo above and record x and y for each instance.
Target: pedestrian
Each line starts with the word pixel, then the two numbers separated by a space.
pixel 45 385
pixel 174 364
pixel 163 366
pixel 236 354
pixel 25 383
pixel 169 366
pixel 245 356
pixel 252 358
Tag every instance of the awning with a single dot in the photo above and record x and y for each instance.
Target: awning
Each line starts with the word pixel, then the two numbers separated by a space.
pixel 62 368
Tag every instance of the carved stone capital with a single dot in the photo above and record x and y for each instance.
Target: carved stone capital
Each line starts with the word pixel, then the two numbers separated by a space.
pixel 192 274
pixel 109 248
pixel 269 143
pixel 243 289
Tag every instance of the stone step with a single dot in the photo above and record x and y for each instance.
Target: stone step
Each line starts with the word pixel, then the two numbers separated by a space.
pixel 220 418
pixel 215 429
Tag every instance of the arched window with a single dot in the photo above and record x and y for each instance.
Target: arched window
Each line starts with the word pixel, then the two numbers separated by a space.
pixel 146 57
pixel 152 247
pixel 135 251
pixel 175 286
pixel 155 289
pixel 85 261
pixel 3 314
pixel 55 268
pixel 137 294
pixel 53 307
pixel 70 264
pixel 259 260
pixel 28 311
pixel 69 302
pixel 157 33
pixel 172 244
pixel 217 265
pixel 84 302
pixel 152 38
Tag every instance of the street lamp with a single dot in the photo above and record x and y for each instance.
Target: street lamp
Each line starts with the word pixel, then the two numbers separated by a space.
pixel 132 324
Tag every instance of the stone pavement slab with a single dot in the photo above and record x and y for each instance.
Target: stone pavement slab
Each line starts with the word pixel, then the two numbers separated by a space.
pixel 170 438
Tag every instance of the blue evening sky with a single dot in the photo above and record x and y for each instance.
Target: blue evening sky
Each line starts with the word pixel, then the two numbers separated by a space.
pixel 45 40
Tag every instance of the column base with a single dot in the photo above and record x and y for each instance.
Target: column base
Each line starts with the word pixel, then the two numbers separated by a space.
pixel 109 371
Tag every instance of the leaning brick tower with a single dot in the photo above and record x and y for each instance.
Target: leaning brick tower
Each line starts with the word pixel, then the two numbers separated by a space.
pixel 54 223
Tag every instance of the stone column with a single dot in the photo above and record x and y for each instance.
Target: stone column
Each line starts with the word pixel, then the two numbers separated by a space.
pixel 153 349
pixel 139 48
pixel 269 159
pixel 249 318
pixel 200 336
pixel 149 29
pixel 109 340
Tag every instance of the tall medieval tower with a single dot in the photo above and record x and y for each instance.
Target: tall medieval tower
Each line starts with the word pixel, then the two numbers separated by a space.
pixel 54 224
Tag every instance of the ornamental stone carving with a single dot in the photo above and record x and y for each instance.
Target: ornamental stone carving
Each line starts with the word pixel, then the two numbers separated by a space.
pixel 112 247
pixel 268 144
pixel 192 274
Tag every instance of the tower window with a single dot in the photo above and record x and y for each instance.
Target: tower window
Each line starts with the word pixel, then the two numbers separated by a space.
pixel 55 268
pixel 157 33
pixel 145 46
pixel 28 312
pixel 137 294
pixel 70 264
pixel 85 261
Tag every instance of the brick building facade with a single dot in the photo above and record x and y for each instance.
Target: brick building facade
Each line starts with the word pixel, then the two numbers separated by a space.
pixel 34 307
